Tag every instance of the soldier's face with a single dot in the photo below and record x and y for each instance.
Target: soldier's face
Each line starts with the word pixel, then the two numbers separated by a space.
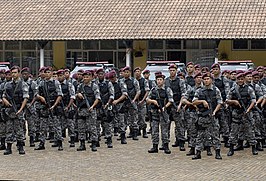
pixel 61 77
pixel 160 81
pixel 207 81
pixel 172 72
pixel 190 68
pixel 127 73
pixel 15 74
pixel 146 75
pixel 256 79
pixel 216 71
pixel 197 70
pixel 101 75
pixel 198 80
pixel 8 77
pixel 48 74
pixel 87 78
pixel 240 80
pixel 233 76
pixel 261 72
pixel 67 75
pixel 137 73
pixel 2 75
pixel 55 77
pixel 121 74
pixel 25 75
pixel 248 78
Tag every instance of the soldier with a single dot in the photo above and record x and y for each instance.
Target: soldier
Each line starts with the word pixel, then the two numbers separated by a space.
pixel 142 109
pixel 261 71
pixel 15 97
pixel 208 100
pixel 242 99
pixel 120 94
pixel 222 84
pixel 30 112
pixel 197 68
pixel 88 96
pixel 190 73
pixel 179 89
pixel 104 108
pixel 2 76
pixel 191 114
pixel 67 110
pixel 160 98
pixel 130 104
pixel 50 94
pixel 204 70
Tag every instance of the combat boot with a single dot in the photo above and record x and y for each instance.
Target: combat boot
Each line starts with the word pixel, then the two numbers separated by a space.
pixel 239 146
pixel 263 143
pixel 123 138
pixel 166 148
pixel 37 137
pixel 40 146
pixel 247 145
pixel 88 138
pixel 258 146
pixel 8 150
pixel 130 135
pixel 115 131
pixel 82 146
pixel 218 154
pixel 93 146
pixel 162 147
pixel 51 137
pixel 144 133
pixel 231 150
pixel 32 141
pixel 176 144
pixel 60 145
pixel 21 150
pixel 226 143
pixel 197 156
pixel 109 142
pixel 209 152
pixel 154 149
pixel 55 144
pixel 3 144
pixel 191 151
pixel 149 131
pixel 72 141
pixel 181 145
pixel 76 137
pixel 135 135
pixel 254 150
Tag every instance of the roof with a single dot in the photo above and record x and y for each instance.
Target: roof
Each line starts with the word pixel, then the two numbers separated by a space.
pixel 132 19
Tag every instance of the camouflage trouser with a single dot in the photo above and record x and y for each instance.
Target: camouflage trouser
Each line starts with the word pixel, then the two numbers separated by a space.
pixel 163 121
pixel 131 117
pixel 119 118
pixel 2 129
pixel 258 125
pixel 106 124
pixel 69 124
pixel 85 119
pixel 142 111
pixel 180 124
pixel 191 119
pixel 31 117
pixel 223 122
pixel 14 130
pixel 37 122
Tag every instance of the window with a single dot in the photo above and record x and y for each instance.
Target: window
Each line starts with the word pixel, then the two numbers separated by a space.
pixel 12 45
pixel 156 56
pixel 258 44
pixel 121 62
pixel 28 45
pixel 73 44
pixel 1 57
pixel 155 44
pixel 122 44
pixel 191 44
pixel 240 44
pixel 1 45
pixel 173 44
pixel 96 56
pixel 208 44
pixel 91 45
pixel 108 44
pixel 13 58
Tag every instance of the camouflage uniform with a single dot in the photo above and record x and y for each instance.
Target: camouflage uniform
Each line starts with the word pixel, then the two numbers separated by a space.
pixel 178 87
pixel 207 126
pixel 51 88
pixel 3 119
pixel 162 96
pixel 85 118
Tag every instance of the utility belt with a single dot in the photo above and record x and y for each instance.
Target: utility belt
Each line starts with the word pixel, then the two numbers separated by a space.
pixel 204 113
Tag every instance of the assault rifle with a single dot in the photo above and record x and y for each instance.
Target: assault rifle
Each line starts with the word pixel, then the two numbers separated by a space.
pixel 160 106
pixel 85 97
pixel 132 103
pixel 48 103
pixel 242 104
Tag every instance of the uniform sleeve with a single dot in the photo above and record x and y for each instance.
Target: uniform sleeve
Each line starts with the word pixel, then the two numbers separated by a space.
pixel 34 87
pixel 218 96
pixel 182 84
pixel 196 95
pixel 96 91
pixel 229 95
pixel 58 88
pixel 251 92
pixel 71 90
pixel 146 85
pixel 111 90
pixel 25 90
pixel 123 88
pixel 263 88
pixel 188 92
pixel 226 85
pixel 258 91
pixel 79 89
pixel 137 87
pixel 170 94
pixel 149 95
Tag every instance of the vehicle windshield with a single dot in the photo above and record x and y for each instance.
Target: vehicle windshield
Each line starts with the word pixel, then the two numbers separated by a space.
pixel 234 67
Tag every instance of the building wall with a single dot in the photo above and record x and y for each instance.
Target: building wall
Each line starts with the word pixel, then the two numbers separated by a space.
pixel 258 56
pixel 59 56
pixel 140 46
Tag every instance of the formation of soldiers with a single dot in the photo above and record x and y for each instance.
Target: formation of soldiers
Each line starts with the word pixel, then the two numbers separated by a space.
pixel 204 105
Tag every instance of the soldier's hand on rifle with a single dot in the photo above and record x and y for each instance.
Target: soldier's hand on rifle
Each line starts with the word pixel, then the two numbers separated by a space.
pixel 115 102
pixel 105 106
pixel 90 109
pixel 51 108
pixel 66 109
pixel 163 109
pixel 80 96
pixel 213 114
pixel 6 103
pixel 206 105
pixel 178 108
pixel 42 99
pixel 237 103
pixel 74 105
pixel 19 111
pixel 156 103
pixel 141 102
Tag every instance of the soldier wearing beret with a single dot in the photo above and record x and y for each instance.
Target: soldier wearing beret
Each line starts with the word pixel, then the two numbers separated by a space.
pixel 160 98
pixel 190 73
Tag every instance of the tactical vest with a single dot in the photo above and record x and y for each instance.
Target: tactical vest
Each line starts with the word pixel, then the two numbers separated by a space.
pixel 130 88
pixel 31 94
pixel 104 91
pixel 117 89
pixel 51 90
pixel 150 84
pixel 88 91
pixel 161 98
pixel 15 91
pixel 66 93
pixel 142 88
pixel 190 81
pixel 256 93
pixel 243 91
pixel 175 86
pixel 209 96
pixel 219 83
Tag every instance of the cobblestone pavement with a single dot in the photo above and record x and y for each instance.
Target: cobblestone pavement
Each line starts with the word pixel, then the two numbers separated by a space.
pixel 128 162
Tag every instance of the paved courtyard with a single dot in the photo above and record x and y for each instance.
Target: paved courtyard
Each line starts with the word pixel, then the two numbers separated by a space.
pixel 128 162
